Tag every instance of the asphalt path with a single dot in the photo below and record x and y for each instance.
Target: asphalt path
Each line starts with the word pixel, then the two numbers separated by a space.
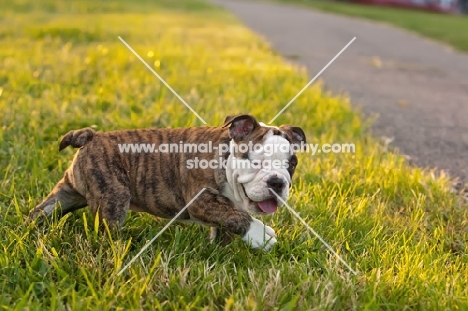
pixel 417 88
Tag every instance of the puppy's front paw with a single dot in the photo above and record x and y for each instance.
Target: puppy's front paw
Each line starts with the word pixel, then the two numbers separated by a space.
pixel 260 235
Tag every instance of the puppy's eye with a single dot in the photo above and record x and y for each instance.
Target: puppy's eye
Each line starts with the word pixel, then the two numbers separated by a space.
pixel 292 165
pixel 293 162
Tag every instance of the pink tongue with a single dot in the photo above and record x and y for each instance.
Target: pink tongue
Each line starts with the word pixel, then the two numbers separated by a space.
pixel 268 206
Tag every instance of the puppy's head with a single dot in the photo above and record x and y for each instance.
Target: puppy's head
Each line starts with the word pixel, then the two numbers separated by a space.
pixel 262 160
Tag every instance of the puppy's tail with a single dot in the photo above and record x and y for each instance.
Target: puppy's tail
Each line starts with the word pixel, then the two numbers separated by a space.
pixel 77 138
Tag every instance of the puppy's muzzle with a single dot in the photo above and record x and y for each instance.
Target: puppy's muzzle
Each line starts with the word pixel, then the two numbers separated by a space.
pixel 276 184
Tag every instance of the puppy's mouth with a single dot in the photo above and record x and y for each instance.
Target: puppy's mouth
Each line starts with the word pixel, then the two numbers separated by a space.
pixel 268 206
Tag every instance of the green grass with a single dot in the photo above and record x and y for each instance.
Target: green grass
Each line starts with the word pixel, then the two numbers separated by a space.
pixel 449 29
pixel 62 68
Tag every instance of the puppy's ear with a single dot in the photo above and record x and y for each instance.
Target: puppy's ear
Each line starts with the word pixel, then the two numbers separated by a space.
pixel 241 126
pixel 295 134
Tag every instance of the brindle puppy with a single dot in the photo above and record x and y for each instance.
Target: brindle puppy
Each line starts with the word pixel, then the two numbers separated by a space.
pixel 112 182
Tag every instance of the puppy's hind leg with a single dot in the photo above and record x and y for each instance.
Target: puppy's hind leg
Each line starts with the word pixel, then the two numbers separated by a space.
pixel 111 207
pixel 63 199
pixel 109 195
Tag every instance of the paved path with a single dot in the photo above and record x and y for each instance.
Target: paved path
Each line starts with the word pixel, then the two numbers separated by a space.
pixel 418 88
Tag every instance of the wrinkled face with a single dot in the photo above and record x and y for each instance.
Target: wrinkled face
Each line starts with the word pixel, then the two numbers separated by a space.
pixel 261 163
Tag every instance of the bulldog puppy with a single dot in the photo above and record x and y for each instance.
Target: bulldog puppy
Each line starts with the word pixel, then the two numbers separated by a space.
pixel 112 180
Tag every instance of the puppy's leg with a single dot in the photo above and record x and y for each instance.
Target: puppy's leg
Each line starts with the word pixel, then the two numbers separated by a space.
pixel 217 211
pixel 111 208
pixel 108 196
pixel 63 199
pixel 221 236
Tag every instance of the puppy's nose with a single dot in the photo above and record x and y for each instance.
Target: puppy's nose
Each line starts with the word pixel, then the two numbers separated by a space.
pixel 275 183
